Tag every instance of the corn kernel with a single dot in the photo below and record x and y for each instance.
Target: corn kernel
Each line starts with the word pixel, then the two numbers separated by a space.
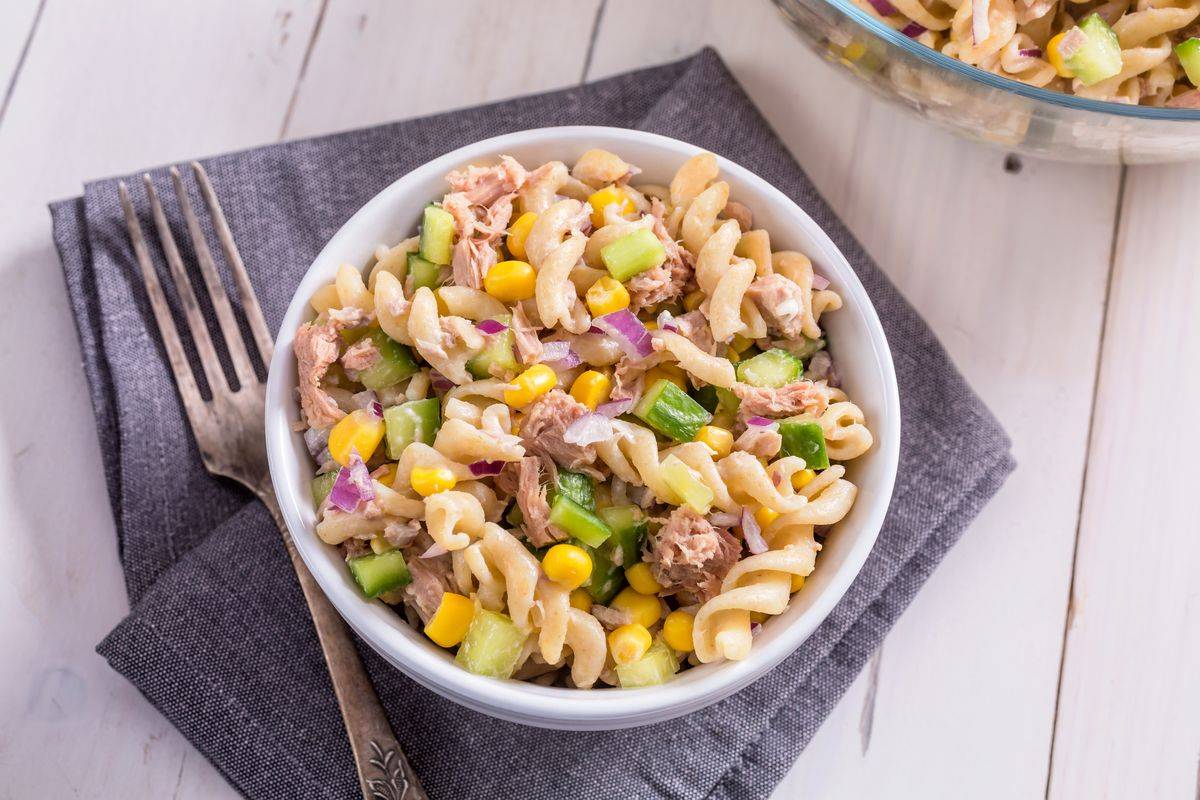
pixel 669 371
pixel 449 623
pixel 428 481
pixel 607 196
pixel 518 232
pixel 380 545
pixel 855 50
pixel 641 578
pixel 510 281
pixel 386 474
pixel 797 582
pixel 629 643
pixel 802 478
pixel 567 565
pixel 765 516
pixel 581 599
pixel 591 388
pixel 740 343
pixel 1054 56
pixel 359 431
pixel 693 300
pixel 677 631
pixel 530 385
pixel 644 608
pixel 719 440
pixel 606 296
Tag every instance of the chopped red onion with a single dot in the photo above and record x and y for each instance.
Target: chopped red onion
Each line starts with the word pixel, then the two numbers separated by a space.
pixel 434 551
pixel 440 382
pixel 912 30
pixel 364 399
pixel 666 322
pixel 483 469
pixel 629 332
pixel 884 8
pixel 755 628
pixel 316 439
pixel 820 282
pixel 615 408
pixel 491 326
pixel 594 329
pixel 762 422
pixel 1031 52
pixel 352 485
pixel 377 409
pixel 724 519
pixel 588 429
pixel 752 533
pixel 560 355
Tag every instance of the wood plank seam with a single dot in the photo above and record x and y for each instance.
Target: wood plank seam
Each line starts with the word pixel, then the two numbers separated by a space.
pixel 591 48
pixel 1068 617
pixel 308 51
pixel 12 83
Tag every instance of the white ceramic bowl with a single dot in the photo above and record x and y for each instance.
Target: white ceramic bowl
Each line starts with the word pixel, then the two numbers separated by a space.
pixel 863 361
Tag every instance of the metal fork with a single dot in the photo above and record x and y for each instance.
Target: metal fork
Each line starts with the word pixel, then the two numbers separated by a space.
pixel 229 432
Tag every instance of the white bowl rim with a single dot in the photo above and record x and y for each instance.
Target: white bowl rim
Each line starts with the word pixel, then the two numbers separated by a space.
pixel 557 707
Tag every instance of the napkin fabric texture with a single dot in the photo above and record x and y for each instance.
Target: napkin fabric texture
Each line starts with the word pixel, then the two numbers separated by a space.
pixel 219 639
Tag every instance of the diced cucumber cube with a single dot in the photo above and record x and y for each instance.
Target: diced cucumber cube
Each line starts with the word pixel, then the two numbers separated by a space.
pixel 395 363
pixel 806 440
pixel 622 550
pixel 578 522
pixel 492 645
pixel 667 409
pixel 686 483
pixel 1188 52
pixel 633 254
pixel 657 666
pixel 437 235
pixel 423 273
pixel 322 485
pixel 377 573
pixel 578 487
pixel 497 359
pixel 771 369
pixel 1091 51
pixel 414 421
pixel 805 348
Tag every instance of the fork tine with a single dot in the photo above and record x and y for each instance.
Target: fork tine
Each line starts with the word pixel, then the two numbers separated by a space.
pixel 184 379
pixel 183 286
pixel 216 290
pixel 258 325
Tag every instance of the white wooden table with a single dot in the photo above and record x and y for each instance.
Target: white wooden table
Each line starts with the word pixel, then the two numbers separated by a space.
pixel 1055 653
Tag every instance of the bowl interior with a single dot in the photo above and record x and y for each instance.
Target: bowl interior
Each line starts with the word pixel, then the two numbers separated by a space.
pixel 857 343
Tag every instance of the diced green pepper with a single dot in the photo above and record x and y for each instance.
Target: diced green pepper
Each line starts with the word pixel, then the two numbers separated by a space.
pixel 668 409
pixel 492 645
pixel 1188 53
pixel 578 487
pixel 683 482
pixel 497 359
pixel 395 363
pixel 578 522
pixel 377 573
pixel 322 485
pixel 622 550
pixel 633 254
pixel 437 235
pixel 414 421
pixel 657 666
pixel 771 369
pixel 424 273
pixel 806 440
pixel 1091 51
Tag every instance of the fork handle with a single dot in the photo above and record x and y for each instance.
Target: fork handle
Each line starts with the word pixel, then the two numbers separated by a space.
pixel 383 771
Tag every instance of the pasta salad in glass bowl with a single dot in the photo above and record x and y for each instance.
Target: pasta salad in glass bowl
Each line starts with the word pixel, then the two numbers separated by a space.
pixel 576 428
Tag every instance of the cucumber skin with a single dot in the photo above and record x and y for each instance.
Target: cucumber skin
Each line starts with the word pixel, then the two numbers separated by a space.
pixel 641 247
pixel 578 522
pixel 629 529
pixel 656 667
pixel 322 485
pixel 437 235
pixel 397 419
pixel 498 351
pixel 492 645
pixel 424 273
pixel 672 412
pixel 577 487
pixel 379 573
pixel 1188 53
pixel 396 363
pixel 806 440
pixel 770 370
pixel 1100 58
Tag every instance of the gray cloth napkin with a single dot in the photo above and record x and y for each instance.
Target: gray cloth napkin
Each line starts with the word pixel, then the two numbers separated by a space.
pixel 219 639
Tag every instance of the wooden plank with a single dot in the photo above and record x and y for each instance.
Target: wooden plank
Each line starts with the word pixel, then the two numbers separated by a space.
pixel 1019 305
pixel 105 88
pixel 1129 703
pixel 379 61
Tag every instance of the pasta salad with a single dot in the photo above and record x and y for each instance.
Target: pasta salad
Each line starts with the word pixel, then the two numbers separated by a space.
pixel 1141 53
pixel 580 431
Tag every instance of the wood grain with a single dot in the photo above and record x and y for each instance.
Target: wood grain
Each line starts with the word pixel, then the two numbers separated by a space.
pixel 1129 706
pixel 1019 305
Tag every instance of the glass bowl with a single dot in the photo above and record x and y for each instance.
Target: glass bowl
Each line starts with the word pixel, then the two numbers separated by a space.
pixel 987 107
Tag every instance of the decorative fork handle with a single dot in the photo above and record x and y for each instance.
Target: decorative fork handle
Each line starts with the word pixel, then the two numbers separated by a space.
pixel 383 771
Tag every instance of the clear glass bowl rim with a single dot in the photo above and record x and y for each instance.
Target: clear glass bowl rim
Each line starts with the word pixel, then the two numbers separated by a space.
pixel 969 72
